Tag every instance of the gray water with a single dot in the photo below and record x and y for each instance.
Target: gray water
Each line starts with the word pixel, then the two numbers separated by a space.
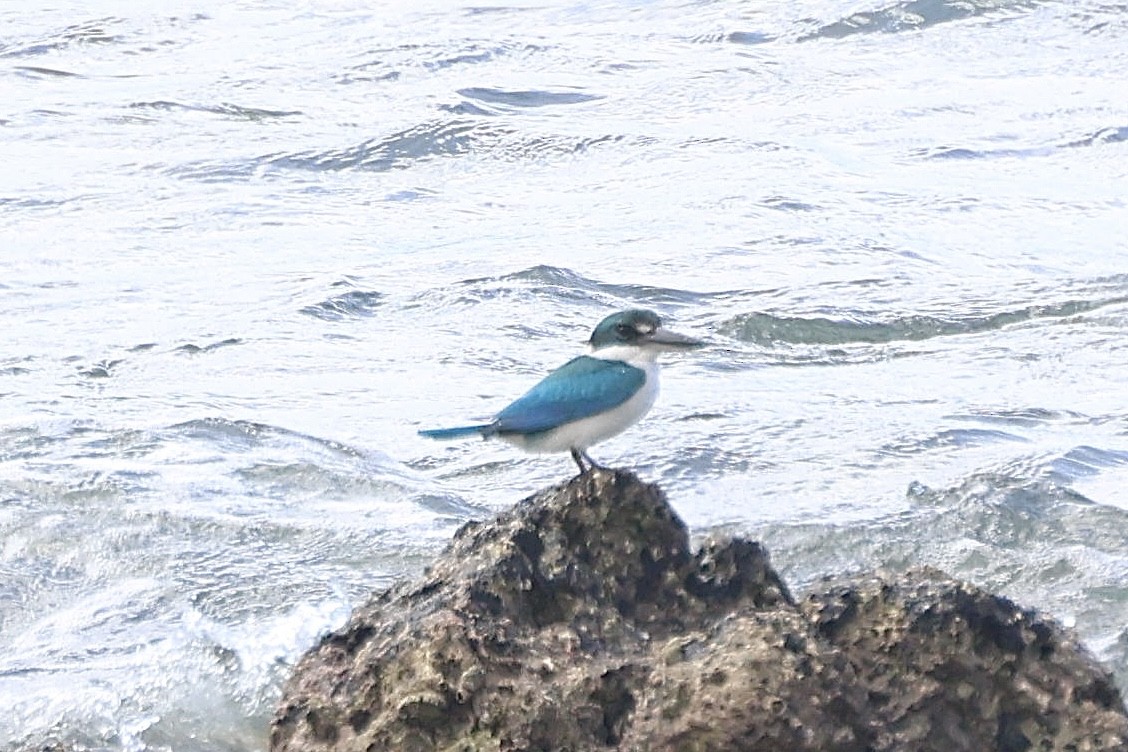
pixel 247 250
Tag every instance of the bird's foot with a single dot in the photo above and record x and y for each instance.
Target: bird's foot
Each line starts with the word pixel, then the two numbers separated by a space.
pixel 580 457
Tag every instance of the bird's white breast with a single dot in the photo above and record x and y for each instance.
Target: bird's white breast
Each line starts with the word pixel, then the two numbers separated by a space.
pixel 586 432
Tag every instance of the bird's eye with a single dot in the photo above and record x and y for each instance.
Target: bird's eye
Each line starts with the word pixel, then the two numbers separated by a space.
pixel 625 331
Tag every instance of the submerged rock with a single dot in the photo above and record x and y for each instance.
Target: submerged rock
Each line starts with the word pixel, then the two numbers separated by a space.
pixel 581 620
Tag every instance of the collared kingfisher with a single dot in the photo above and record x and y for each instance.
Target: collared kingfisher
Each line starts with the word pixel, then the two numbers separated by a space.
pixel 591 397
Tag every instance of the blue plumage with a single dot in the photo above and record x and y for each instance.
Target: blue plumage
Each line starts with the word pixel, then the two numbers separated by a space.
pixel 581 388
pixel 454 433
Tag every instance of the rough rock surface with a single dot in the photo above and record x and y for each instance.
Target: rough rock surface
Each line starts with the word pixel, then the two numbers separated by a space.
pixel 581 620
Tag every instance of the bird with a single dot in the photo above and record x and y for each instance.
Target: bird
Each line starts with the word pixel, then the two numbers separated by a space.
pixel 590 398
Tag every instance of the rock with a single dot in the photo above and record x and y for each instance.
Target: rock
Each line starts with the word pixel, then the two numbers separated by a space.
pixel 50 745
pixel 581 620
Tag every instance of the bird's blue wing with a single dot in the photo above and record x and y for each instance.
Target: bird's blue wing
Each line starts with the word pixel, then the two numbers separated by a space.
pixel 580 388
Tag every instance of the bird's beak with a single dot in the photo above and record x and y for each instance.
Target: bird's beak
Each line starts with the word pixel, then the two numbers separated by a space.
pixel 668 340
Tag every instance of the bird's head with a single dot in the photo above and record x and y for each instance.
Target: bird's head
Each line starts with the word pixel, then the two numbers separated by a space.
pixel 641 329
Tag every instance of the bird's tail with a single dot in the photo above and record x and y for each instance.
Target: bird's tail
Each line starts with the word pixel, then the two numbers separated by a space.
pixel 456 433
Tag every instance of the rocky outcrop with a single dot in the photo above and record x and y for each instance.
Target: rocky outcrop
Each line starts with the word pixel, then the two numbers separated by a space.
pixel 581 620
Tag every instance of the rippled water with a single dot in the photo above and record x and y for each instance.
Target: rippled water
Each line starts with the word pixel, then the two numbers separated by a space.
pixel 247 250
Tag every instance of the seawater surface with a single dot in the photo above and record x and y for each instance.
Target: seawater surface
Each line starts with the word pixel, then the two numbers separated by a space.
pixel 248 249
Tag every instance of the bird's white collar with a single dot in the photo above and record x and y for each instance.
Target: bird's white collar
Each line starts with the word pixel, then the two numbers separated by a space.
pixel 627 353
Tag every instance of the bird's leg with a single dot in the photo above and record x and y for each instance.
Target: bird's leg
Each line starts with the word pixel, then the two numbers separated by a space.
pixel 594 465
pixel 578 456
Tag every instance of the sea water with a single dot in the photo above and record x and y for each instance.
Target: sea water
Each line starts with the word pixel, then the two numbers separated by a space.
pixel 247 250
